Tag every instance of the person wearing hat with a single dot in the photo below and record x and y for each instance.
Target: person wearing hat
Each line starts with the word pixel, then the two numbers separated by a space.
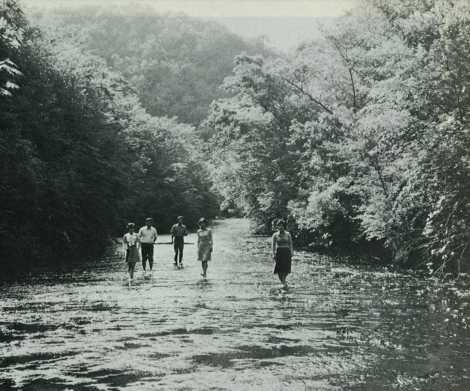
pixel 148 237
pixel 178 232
pixel 204 245
pixel 131 244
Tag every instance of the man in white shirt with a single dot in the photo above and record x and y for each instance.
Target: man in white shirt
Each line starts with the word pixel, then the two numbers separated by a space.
pixel 148 237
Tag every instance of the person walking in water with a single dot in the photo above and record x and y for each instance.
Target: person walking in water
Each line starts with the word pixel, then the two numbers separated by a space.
pixel 204 245
pixel 282 252
pixel 148 237
pixel 178 232
pixel 131 243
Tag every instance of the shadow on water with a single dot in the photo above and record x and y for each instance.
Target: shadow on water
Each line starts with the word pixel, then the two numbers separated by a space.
pixel 251 352
pixel 112 377
pixel 55 384
pixel 33 360
pixel 181 331
pixel 336 327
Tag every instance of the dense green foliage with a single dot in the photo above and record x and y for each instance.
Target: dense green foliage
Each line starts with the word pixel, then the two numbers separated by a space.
pixel 79 154
pixel 175 63
pixel 361 138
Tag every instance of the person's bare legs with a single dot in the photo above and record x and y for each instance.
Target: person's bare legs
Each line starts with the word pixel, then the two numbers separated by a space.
pixel 282 278
pixel 204 269
pixel 284 281
pixel 130 269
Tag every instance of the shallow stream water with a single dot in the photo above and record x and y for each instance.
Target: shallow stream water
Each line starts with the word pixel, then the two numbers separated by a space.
pixel 337 327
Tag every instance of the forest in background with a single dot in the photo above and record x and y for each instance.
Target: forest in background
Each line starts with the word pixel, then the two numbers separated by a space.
pixel 174 63
pixel 359 139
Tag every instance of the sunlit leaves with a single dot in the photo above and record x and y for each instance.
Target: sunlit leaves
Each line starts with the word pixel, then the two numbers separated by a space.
pixel 11 35
pixel 374 118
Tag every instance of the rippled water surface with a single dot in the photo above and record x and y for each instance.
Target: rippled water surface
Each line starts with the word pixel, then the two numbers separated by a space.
pixel 335 328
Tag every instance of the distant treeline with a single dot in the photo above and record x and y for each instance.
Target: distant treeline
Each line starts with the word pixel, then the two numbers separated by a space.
pixel 80 156
pixel 174 63
pixel 361 138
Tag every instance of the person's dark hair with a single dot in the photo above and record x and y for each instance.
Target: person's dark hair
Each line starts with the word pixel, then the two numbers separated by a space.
pixel 281 222
pixel 202 220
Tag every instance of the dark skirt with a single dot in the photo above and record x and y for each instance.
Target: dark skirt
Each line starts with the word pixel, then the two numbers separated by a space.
pixel 283 261
pixel 132 254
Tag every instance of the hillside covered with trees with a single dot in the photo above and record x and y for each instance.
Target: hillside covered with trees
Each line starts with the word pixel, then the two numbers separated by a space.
pixel 174 63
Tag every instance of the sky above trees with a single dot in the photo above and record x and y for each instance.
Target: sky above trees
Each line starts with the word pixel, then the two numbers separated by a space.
pixel 283 24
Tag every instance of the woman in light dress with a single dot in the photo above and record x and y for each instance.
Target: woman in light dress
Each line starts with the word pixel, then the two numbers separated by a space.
pixel 204 245
pixel 131 245
pixel 282 252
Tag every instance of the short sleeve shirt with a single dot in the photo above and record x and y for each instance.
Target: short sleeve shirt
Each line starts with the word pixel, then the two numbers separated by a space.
pixel 148 235
pixel 179 231
pixel 130 239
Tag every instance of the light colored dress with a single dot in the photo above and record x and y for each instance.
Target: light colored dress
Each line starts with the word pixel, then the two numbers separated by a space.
pixel 204 245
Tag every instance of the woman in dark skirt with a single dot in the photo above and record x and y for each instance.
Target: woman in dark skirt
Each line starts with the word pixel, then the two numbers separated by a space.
pixel 282 251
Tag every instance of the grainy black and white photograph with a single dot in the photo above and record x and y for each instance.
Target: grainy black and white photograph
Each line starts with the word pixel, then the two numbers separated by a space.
pixel 238 195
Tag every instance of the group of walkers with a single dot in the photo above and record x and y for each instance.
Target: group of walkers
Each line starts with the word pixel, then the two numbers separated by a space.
pixel 146 238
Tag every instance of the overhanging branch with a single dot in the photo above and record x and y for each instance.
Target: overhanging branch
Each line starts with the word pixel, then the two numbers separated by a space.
pixel 308 95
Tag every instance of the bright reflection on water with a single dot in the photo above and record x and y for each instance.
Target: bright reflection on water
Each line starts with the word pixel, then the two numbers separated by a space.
pixel 336 328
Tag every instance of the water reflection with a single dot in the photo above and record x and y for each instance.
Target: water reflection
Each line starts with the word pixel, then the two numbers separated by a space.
pixel 335 328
